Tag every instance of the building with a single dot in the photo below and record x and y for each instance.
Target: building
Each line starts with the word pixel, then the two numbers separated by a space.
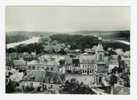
pixel 68 63
pixel 36 78
pixel 20 64
pixel 87 64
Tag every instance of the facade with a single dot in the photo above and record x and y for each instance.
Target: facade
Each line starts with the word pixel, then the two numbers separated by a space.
pixel 19 64
pixel 49 65
pixel 87 64
pixel 43 79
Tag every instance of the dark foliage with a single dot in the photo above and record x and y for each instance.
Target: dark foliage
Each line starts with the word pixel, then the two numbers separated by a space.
pixel 82 42
pixel 73 87
pixel 10 86
pixel 16 38
pixel 76 41
pixel 125 77
pixel 113 80
pixel 34 47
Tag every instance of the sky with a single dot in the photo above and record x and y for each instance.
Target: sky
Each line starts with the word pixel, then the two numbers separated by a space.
pixel 67 18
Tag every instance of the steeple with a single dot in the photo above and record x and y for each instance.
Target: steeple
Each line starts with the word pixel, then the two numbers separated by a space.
pixel 100 50
pixel 99 47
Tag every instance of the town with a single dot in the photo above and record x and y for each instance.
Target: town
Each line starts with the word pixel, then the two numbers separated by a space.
pixel 62 70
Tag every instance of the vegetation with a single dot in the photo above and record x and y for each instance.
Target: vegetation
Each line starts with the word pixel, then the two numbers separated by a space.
pixel 11 86
pixel 61 43
pixel 16 38
pixel 74 87
pixel 86 41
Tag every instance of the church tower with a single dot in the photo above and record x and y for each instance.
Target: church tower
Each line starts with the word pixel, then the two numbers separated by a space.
pixel 100 51
pixel 101 67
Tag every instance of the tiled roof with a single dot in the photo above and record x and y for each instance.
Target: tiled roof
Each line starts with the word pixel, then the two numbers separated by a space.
pixel 68 60
pixel 41 76
pixel 32 62
pixel 52 63
pixel 19 62
pixel 87 59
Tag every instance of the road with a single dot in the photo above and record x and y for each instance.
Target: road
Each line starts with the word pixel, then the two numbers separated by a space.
pixel 124 42
pixel 29 41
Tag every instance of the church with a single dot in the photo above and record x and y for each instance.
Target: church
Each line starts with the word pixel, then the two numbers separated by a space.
pixel 97 62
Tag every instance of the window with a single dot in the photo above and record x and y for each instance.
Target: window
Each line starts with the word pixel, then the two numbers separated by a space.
pixel 51 68
pixel 33 67
pixel 47 68
pixel 101 57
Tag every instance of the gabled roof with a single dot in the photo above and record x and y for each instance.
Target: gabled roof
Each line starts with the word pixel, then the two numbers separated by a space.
pixel 68 59
pixel 87 59
pixel 19 62
pixel 42 76
pixel 52 63
pixel 32 62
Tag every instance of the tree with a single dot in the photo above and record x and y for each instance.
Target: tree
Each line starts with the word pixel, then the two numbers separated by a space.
pixel 52 46
pixel 74 87
pixel 46 44
pixel 10 86
pixel 114 70
pixel 113 81
pixel 45 40
pixel 125 77
pixel 94 48
pixel 57 48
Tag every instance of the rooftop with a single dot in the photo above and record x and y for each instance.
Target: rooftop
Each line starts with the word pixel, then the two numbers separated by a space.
pixel 42 76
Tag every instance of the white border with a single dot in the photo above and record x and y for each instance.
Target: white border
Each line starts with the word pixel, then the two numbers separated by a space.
pixel 133 94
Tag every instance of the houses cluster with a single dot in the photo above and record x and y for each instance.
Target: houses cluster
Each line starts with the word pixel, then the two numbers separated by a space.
pixel 52 68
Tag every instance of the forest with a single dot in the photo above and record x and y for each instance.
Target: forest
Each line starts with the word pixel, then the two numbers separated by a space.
pixel 60 43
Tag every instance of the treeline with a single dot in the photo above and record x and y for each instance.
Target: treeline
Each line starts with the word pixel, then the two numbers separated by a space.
pixel 125 35
pixel 34 47
pixel 16 38
pixel 76 41
pixel 38 48
pixel 83 42
pixel 62 43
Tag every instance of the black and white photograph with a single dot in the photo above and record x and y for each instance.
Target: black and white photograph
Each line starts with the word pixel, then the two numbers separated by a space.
pixel 67 50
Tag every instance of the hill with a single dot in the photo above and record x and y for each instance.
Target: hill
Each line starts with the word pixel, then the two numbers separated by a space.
pixel 18 36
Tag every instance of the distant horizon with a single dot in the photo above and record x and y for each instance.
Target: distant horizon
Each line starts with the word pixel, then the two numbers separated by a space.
pixel 71 31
